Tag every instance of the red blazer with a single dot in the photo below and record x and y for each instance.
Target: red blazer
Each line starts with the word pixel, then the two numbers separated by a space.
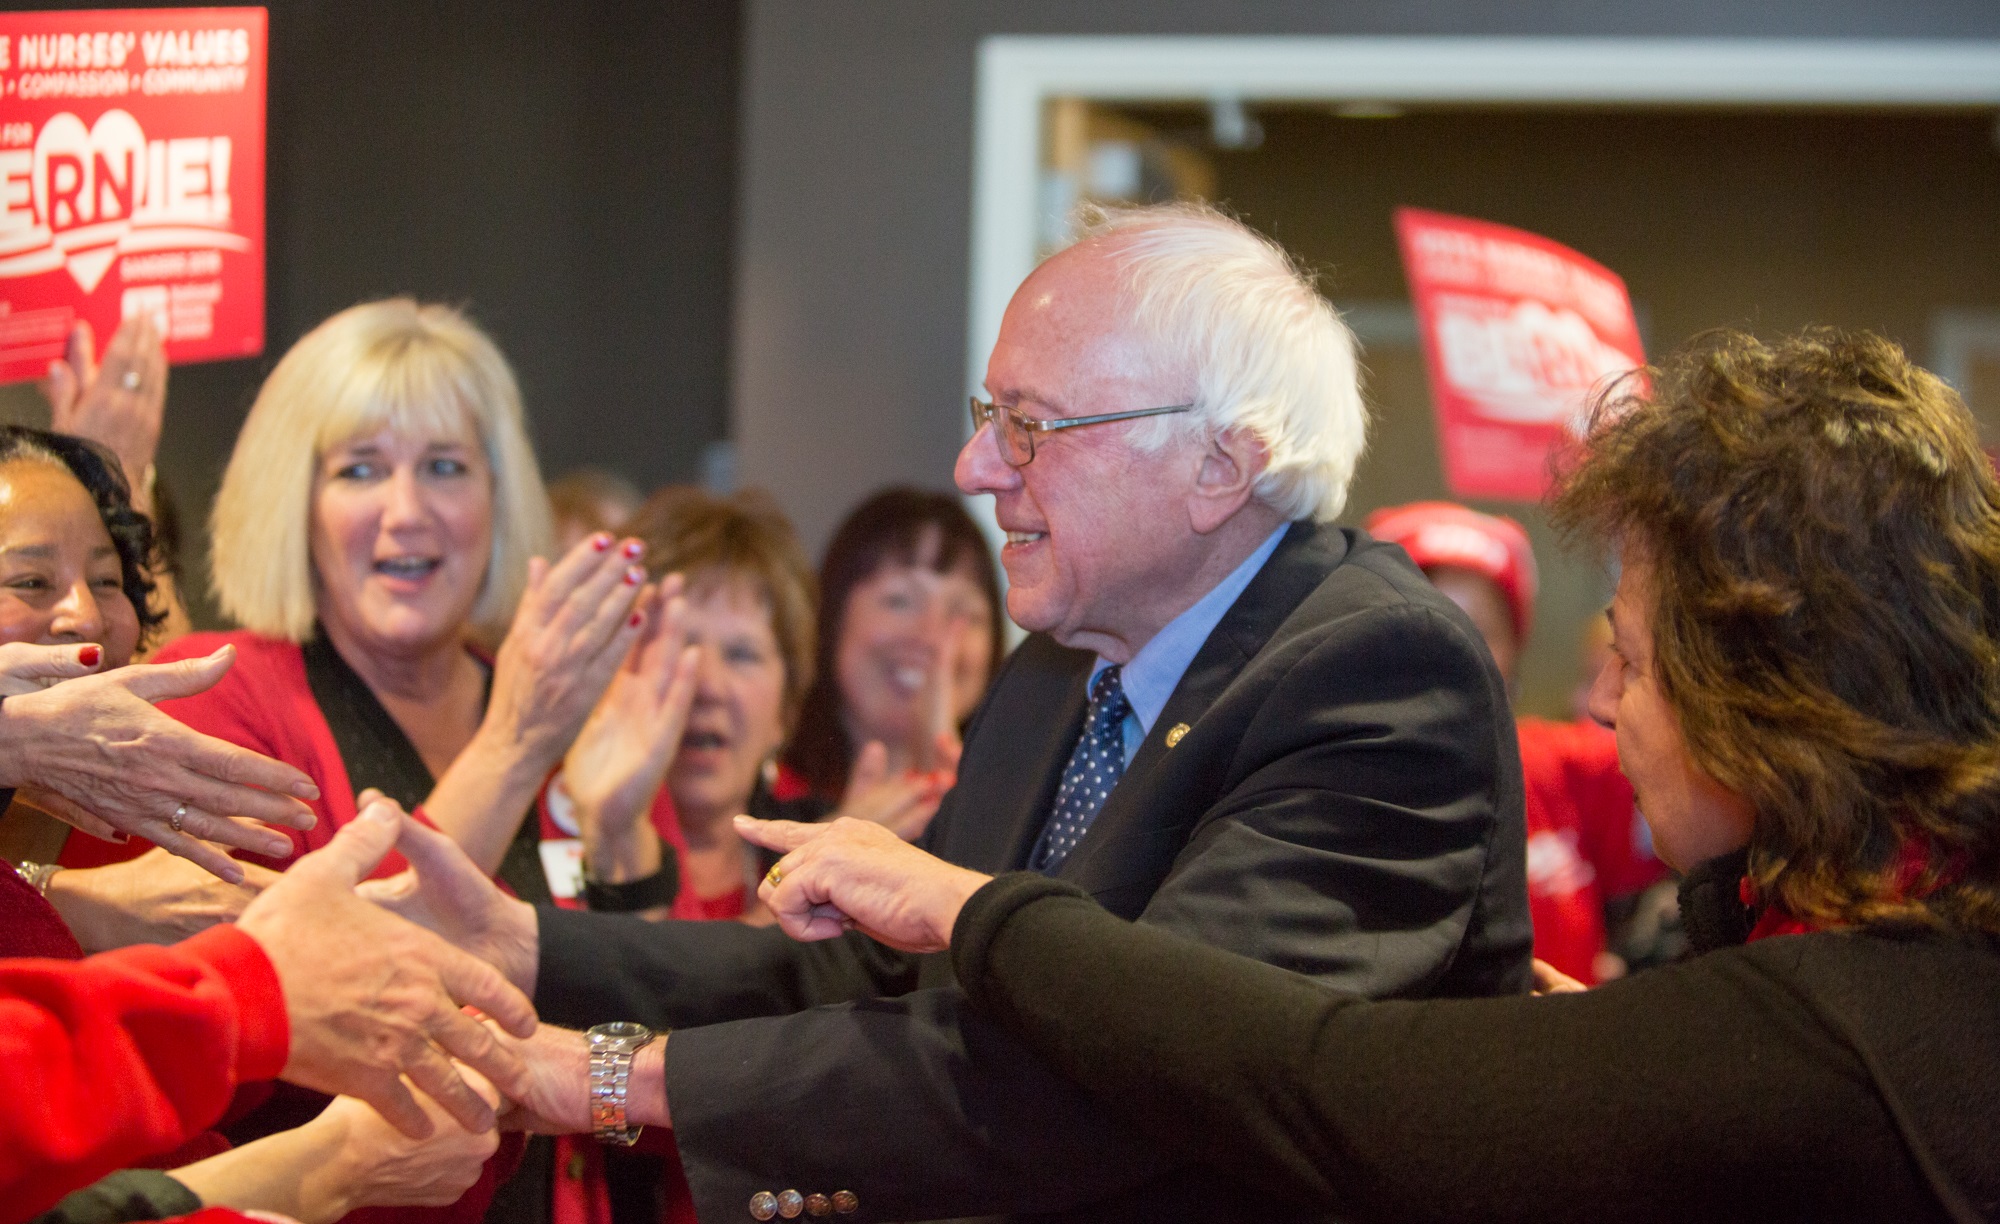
pixel 122 1056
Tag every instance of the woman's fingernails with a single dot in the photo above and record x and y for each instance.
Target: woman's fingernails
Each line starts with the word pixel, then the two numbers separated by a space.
pixel 636 620
pixel 634 575
pixel 601 541
pixel 305 790
pixel 633 548
pixel 89 655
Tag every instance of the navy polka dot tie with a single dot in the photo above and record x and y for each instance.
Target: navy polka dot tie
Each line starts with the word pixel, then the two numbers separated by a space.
pixel 1094 768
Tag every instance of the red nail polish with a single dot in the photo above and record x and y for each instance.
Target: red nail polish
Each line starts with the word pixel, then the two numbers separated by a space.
pixel 89 655
pixel 634 575
pixel 636 619
pixel 601 541
pixel 633 548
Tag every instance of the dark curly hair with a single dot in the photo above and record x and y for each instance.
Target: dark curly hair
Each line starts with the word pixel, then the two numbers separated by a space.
pixel 1823 535
pixel 95 469
pixel 893 524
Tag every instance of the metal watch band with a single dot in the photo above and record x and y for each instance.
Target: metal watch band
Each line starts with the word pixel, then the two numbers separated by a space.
pixel 612 1047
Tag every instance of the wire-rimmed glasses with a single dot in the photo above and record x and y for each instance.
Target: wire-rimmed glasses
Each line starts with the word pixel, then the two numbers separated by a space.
pixel 1016 433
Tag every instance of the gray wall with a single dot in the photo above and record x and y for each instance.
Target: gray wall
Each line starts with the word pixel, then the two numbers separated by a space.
pixel 565 173
pixel 855 194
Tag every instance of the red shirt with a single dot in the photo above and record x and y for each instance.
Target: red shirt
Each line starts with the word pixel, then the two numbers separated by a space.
pixel 1585 840
pixel 122 1056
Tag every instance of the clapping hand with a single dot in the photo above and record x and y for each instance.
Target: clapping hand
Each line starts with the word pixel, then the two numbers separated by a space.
pixel 120 404
pixel 622 755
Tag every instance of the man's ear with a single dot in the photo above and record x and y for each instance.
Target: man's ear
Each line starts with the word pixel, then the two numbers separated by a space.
pixel 1230 466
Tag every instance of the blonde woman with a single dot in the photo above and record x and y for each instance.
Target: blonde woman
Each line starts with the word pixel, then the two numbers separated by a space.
pixel 381 509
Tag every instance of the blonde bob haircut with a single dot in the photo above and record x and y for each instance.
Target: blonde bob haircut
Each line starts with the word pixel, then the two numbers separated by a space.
pixel 391 364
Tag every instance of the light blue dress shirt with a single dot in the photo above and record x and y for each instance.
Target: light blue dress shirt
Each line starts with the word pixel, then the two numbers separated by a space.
pixel 1152 675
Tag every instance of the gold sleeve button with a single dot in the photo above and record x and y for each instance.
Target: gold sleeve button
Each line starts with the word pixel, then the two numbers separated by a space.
pixel 818 1206
pixel 790 1204
pixel 845 1202
pixel 763 1205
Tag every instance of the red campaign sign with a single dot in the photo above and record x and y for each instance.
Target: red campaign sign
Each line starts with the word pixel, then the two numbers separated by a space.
pixel 1517 333
pixel 131 180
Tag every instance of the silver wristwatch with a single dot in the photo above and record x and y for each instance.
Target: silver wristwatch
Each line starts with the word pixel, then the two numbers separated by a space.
pixel 611 1049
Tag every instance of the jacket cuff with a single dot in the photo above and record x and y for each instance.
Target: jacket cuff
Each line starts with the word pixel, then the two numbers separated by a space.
pixel 985 915
pixel 264 1031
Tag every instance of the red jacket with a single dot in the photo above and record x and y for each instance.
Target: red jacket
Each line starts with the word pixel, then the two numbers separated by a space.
pixel 122 1056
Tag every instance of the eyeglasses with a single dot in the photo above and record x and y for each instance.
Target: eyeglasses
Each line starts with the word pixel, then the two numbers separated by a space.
pixel 1016 433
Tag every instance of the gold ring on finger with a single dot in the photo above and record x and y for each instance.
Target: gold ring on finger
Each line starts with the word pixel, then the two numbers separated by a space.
pixel 774 877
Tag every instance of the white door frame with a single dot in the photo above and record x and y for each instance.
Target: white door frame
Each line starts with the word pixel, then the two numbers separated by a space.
pixel 1017 73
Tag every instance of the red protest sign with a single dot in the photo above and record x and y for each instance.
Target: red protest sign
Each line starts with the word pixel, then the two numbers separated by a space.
pixel 131 180
pixel 1517 332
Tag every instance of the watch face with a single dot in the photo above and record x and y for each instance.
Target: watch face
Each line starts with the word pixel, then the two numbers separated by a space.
pixel 620 1036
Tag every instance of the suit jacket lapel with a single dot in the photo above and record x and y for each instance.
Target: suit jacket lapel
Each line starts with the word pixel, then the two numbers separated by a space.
pixel 1037 713
pixel 1295 569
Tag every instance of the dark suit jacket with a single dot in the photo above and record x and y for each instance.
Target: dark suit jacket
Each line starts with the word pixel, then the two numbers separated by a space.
pixel 1346 803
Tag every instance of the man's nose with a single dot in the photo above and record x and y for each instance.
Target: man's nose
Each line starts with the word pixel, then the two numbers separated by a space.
pixel 980 469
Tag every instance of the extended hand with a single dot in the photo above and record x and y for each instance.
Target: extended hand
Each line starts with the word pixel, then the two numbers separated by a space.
pixel 157 898
pixel 94 747
pixel 445 893
pixel 857 875
pixel 373 998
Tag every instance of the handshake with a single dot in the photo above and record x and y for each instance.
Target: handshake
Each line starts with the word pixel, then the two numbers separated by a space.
pixel 415 980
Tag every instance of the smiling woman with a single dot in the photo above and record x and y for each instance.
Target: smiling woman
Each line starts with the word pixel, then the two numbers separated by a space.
pixel 380 515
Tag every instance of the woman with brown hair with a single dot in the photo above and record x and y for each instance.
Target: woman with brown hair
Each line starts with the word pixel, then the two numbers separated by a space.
pixel 1805 687
pixel 910 635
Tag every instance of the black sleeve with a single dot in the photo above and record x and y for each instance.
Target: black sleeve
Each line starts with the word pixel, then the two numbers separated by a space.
pixel 1705 1090
pixel 600 967
pixel 130 1194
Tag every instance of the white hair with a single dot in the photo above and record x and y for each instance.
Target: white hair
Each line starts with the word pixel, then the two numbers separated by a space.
pixel 1266 353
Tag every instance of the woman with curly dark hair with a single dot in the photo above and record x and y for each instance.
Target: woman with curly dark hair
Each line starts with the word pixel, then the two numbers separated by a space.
pixel 1805 687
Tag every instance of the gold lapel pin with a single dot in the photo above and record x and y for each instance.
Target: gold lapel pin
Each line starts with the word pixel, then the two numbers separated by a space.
pixel 1175 733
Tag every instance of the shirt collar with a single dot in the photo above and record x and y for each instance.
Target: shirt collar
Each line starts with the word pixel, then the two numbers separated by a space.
pixel 1156 670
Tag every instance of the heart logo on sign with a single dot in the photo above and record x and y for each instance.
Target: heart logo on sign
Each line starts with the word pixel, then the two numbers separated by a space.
pixel 86 184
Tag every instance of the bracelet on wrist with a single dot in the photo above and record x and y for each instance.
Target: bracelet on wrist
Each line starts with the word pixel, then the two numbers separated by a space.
pixel 646 892
pixel 36 875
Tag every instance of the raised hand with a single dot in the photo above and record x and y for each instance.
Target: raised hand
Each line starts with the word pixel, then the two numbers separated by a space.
pixel 576 624
pixel 622 755
pixel 99 755
pixel 373 998
pixel 858 875
pixel 120 404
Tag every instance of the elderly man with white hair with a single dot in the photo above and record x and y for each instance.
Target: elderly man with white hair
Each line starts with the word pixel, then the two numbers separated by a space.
pixel 1233 719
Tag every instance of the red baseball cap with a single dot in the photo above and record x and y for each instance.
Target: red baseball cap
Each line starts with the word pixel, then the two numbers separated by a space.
pixel 1444 533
